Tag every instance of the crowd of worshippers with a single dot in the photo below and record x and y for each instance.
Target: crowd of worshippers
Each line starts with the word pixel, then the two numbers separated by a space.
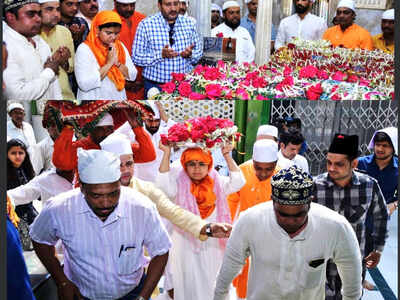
pixel 65 49
pixel 117 182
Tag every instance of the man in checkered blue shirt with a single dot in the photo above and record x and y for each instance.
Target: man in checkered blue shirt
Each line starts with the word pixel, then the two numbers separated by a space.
pixel 354 195
pixel 166 43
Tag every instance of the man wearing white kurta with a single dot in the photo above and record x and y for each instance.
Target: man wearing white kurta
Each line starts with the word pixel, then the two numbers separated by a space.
pixel 98 263
pixel 31 71
pixel 19 129
pixel 290 142
pixel 155 126
pixel 303 24
pixel 289 241
pixel 245 50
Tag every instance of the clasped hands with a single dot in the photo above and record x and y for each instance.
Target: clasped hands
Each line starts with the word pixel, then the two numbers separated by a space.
pixel 168 52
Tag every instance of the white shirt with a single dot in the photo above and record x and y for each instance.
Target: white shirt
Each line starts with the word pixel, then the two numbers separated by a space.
pixel 148 171
pixel 45 186
pixel 25 78
pixel 93 259
pixel 299 161
pixel 280 267
pixel 44 150
pixel 87 72
pixel 310 28
pixel 245 50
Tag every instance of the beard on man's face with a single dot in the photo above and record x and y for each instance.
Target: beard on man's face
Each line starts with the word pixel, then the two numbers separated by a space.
pixel 300 9
pixel 232 24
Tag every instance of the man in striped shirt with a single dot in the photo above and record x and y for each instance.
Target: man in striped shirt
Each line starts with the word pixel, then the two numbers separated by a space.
pixel 103 228
pixel 355 196
pixel 166 43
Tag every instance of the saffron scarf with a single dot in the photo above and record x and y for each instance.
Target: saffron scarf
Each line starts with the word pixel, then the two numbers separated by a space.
pixel 100 51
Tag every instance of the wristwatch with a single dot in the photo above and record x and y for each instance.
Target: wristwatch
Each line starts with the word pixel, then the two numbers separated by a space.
pixel 208 229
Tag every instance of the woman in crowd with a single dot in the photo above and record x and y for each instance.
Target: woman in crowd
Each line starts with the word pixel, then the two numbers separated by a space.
pixel 102 63
pixel 19 172
pixel 197 187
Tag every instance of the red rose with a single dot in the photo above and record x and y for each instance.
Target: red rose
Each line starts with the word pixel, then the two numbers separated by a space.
pixel 259 82
pixel 339 76
pixel 261 97
pixel 212 74
pixel 287 71
pixel 196 96
pixel 168 87
pixel 220 35
pixel 308 72
pixel 252 75
pixel 288 81
pixel 314 92
pixel 198 70
pixel 352 78
pixel 291 46
pixel 210 143
pixel 322 75
pixel 185 89
pixel 242 94
pixel 213 91
pixel 164 139
pixel 178 76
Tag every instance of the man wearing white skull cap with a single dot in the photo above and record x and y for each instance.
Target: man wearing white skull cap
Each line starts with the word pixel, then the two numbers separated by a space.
pixel 98 263
pixel 385 40
pixel 245 50
pixel 216 15
pixel 65 150
pixel 257 172
pixel 347 34
pixel 59 38
pixel 303 24
pixel 267 132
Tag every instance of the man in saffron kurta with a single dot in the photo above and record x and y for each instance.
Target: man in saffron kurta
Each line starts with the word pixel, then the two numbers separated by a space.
pixel 65 150
pixel 130 20
pixel 257 172
pixel 347 34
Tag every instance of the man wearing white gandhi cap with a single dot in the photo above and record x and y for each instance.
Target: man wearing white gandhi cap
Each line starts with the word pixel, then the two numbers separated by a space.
pixel 303 24
pixel 103 228
pixel 59 38
pixel 65 150
pixel 119 145
pixel 257 172
pixel 245 50
pixel 385 40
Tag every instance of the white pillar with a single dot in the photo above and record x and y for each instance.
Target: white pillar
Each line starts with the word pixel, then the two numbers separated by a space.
pixel 202 13
pixel 263 31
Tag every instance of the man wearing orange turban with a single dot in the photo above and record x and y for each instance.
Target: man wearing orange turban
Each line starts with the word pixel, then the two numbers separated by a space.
pixel 102 62
pixel 197 187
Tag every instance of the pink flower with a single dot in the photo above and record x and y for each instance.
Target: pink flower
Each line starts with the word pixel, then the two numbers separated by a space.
pixel 212 74
pixel 308 72
pixel 199 69
pixel 261 97
pixel 314 92
pixel 168 87
pixel 252 75
pixel 364 82
pixel 221 64
pixel 213 91
pixel 259 82
pixel 185 89
pixel 352 78
pixel 178 76
pixel 196 96
pixel 339 76
pixel 322 75
pixel 242 94
pixel 288 81
pixel 286 71
pixel 220 35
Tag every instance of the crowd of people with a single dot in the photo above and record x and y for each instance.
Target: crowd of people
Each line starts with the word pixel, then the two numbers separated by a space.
pixel 70 49
pixel 150 210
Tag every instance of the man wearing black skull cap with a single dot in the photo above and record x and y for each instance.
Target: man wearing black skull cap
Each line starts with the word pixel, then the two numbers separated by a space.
pixel 284 239
pixel 355 196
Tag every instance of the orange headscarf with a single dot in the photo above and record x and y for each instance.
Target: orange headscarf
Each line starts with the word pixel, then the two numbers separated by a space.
pixel 204 191
pixel 11 213
pixel 100 51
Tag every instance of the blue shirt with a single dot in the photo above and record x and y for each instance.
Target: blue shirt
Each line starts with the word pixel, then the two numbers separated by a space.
pixel 387 178
pixel 151 37
pixel 18 284
pixel 251 28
